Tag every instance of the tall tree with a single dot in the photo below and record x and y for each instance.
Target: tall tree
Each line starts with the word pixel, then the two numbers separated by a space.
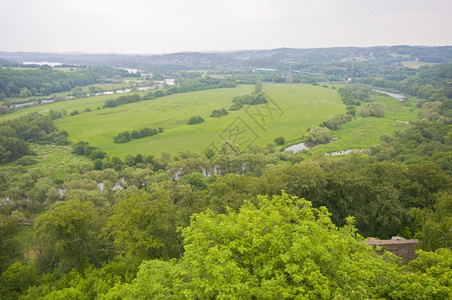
pixel 67 236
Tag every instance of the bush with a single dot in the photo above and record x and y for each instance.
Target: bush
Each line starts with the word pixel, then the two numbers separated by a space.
pixel 195 120
pixel 335 122
pixel 279 141
pixel 122 137
pixel 219 113
pixel 373 110
pixel 236 106
pixel 317 134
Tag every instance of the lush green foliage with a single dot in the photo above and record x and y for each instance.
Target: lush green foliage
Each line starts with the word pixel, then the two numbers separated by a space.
pixel 279 141
pixel 122 100
pixel 347 97
pixel 196 225
pixel 435 223
pixel 195 120
pixel 372 110
pixel 67 236
pixel 217 113
pixel 45 81
pixel 317 134
pixel 282 248
pixel 31 128
pixel 335 122
pixel 125 136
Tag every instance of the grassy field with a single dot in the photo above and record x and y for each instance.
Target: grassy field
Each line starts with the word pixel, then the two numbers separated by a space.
pixel 293 109
pixel 53 160
pixel 57 159
pixel 415 64
pixel 69 105
pixel 362 133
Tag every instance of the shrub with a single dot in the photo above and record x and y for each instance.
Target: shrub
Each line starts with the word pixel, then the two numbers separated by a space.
pixel 195 120
pixel 318 134
pixel 279 140
pixel 373 110
pixel 219 113
pixel 122 137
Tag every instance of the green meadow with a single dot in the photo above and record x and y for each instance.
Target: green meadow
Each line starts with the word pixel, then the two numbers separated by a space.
pixel 416 64
pixel 291 111
pixel 362 133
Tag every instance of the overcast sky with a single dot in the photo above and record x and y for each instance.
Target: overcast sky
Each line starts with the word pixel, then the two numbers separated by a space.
pixel 148 26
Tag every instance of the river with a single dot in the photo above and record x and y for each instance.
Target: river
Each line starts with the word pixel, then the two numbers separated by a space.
pixel 393 95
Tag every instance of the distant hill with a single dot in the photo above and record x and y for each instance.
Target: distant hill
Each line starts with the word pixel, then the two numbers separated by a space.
pixel 282 57
pixel 6 63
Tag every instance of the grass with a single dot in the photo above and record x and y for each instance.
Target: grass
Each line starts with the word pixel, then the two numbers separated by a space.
pixel 69 105
pixel 124 84
pixel 53 160
pixel 416 64
pixel 293 110
pixel 362 133
pixel 56 159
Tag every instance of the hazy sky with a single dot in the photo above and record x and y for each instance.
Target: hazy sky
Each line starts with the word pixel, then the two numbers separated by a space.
pixel 148 26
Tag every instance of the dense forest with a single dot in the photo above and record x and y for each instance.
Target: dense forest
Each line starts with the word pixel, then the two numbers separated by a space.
pixel 45 81
pixel 260 223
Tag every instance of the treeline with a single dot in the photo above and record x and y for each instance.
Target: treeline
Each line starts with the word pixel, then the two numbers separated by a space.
pixel 184 87
pixel 122 100
pixel 428 83
pixel 15 135
pixel 335 122
pixel 43 81
pixel 126 136
pixel 347 97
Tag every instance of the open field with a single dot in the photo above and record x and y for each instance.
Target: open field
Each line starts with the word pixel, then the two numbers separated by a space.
pixel 53 160
pixel 293 109
pixel 415 64
pixel 79 104
pixel 56 160
pixel 362 133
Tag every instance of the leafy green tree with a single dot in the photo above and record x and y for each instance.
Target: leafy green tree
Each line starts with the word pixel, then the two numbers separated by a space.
pixel 278 248
pixel 304 180
pixel 9 227
pixel 217 113
pixel 24 93
pixel 144 226
pixel 258 86
pixel 435 225
pixel 373 110
pixel 123 137
pixel 279 140
pixel 426 277
pixel 195 120
pixel 16 279
pixel 196 180
pixel 317 134
pixel 67 236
